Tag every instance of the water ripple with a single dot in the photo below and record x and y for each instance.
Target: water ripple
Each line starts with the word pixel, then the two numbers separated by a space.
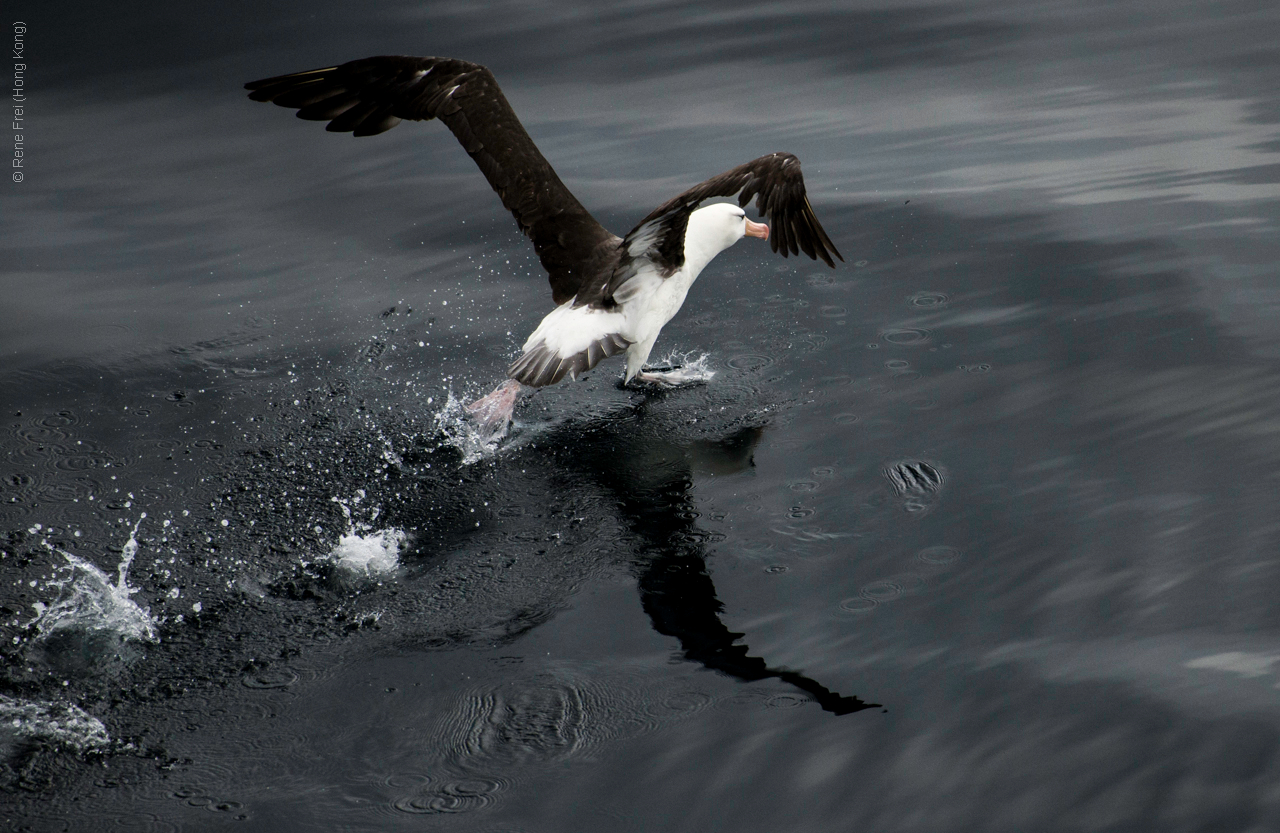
pixel 749 362
pixel 928 299
pixel 461 796
pixel 905 336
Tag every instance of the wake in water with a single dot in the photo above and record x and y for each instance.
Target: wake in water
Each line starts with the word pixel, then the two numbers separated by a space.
pixel 87 600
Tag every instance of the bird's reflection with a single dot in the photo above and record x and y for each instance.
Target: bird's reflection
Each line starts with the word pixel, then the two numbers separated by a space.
pixel 651 477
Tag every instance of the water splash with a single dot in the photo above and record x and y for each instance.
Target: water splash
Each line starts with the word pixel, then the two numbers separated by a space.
pixel 87 600
pixel 65 724
pixel 461 432
pixel 678 369
pixel 363 550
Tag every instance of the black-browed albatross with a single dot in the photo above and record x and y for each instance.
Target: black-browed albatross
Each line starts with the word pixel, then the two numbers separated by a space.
pixel 613 294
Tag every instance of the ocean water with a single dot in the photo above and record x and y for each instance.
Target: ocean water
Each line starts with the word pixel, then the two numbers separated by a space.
pixel 975 532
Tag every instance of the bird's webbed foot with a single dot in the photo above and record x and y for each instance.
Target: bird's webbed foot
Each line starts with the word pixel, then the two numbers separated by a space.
pixel 492 413
pixel 673 376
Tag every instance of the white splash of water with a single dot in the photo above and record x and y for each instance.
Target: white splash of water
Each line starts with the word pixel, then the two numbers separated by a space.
pixel 371 554
pixel 461 432
pixel 389 452
pixel 66 724
pixel 89 601
pixel 363 550
pixel 685 371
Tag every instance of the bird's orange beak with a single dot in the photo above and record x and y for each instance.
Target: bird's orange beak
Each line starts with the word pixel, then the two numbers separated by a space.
pixel 757 230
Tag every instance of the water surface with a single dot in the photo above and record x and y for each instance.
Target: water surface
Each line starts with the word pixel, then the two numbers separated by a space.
pixel 975 532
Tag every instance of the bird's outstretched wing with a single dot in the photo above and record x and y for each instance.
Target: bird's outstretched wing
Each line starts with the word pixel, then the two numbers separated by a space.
pixel 372 95
pixel 776 184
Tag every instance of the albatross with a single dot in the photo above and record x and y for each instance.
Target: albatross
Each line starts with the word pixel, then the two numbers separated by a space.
pixel 613 294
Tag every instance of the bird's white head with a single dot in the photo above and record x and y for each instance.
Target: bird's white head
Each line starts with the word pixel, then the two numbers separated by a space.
pixel 714 228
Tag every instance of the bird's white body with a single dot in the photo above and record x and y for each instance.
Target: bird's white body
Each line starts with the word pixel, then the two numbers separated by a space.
pixel 647 301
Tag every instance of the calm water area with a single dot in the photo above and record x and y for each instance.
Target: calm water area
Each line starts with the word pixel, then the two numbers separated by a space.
pixel 976 532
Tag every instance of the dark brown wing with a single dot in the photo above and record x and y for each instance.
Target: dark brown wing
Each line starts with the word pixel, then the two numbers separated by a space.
pixel 778 187
pixel 372 95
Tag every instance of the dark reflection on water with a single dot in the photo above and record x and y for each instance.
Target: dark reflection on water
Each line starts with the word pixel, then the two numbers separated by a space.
pixel 1009 471
pixel 651 478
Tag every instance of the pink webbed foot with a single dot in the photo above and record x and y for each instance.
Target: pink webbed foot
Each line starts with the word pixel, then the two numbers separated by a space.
pixel 492 413
pixel 675 377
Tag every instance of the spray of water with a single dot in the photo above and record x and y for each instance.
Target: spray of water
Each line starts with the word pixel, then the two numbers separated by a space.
pixel 460 431
pixel 87 599
pixel 687 371
pixel 65 724
pixel 362 550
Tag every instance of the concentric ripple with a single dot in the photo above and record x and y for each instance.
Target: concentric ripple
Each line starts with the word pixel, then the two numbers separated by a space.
pixel 928 299
pixel 905 336
pixel 749 362
pixel 461 796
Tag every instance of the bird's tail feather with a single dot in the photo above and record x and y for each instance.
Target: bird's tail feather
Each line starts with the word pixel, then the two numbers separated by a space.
pixel 541 365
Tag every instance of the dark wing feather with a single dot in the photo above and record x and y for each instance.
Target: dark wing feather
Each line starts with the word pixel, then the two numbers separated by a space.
pixel 776 184
pixel 372 95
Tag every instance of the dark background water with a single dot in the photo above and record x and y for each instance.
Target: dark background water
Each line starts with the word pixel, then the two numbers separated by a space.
pixel 1009 472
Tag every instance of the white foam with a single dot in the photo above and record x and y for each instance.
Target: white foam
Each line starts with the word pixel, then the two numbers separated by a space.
pixel 89 601
pixel 377 553
pixel 362 549
pixel 65 724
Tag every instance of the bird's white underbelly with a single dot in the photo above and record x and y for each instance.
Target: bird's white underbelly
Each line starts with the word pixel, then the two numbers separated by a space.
pixel 650 302
pixel 648 312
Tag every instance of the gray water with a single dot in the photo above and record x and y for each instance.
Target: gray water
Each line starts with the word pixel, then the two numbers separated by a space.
pixel 975 532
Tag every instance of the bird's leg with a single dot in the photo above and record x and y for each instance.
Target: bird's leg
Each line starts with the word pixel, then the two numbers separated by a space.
pixel 492 413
